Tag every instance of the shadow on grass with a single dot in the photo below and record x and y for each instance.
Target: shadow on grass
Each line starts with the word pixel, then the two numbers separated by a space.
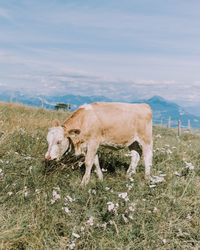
pixel 110 161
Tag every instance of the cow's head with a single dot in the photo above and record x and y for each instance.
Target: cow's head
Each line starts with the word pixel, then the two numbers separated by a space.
pixel 58 144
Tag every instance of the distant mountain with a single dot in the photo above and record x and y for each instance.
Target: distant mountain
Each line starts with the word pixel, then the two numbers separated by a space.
pixel 195 110
pixel 75 100
pixel 163 110
pixel 49 102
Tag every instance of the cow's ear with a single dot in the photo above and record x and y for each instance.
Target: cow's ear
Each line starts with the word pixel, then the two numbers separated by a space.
pixel 56 123
pixel 74 132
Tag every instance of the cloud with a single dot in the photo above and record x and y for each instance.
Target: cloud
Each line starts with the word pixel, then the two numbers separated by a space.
pixel 153 82
pixel 125 50
pixel 120 81
pixel 4 13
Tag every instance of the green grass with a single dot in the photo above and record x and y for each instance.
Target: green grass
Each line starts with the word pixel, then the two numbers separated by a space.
pixel 163 217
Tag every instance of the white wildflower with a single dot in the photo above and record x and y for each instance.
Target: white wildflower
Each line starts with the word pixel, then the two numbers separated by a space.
pixel 80 163
pixel 90 221
pixel 129 186
pixel 152 186
pixel 123 196
pixel 93 191
pixel 168 151
pixel 158 136
pixel 72 245
pixel 77 236
pixel 111 222
pixel 27 157
pixel 164 241
pixel 131 179
pixel 124 218
pixel 37 191
pixel 66 209
pixel 177 174
pixel 112 207
pixel 104 225
pixel 82 229
pixel 1 173
pixel 130 216
pixel 181 233
pixel 107 188
pixel 132 207
pixel 104 170
pixel 69 199
pixel 155 210
pixel 22 131
pixel 25 191
pixel 10 193
pixel 189 217
pixel 157 179
pixel 189 165
pixel 56 196
pixel 161 174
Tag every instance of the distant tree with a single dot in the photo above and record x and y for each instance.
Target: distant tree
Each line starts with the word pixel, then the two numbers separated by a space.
pixel 63 106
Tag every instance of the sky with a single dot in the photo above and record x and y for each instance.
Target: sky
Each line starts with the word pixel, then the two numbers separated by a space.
pixel 125 50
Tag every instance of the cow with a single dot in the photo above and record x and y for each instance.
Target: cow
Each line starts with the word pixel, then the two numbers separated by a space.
pixel 116 125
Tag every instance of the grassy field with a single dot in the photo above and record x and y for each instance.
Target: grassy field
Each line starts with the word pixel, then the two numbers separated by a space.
pixel 43 209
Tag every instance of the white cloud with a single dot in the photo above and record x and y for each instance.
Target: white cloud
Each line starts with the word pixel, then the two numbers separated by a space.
pixel 109 48
pixel 153 82
pixel 4 13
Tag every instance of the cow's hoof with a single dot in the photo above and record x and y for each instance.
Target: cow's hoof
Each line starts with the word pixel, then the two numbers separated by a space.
pixel 147 178
pixel 100 177
pixel 130 175
pixel 84 183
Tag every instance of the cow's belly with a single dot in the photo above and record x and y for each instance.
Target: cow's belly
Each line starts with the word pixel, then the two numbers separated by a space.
pixel 113 146
pixel 117 141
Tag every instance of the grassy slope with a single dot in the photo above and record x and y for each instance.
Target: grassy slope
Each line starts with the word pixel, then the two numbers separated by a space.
pixel 164 217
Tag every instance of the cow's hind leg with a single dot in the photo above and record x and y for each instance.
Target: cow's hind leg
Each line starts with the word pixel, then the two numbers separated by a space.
pixel 148 155
pixel 136 153
pixel 89 161
pixel 98 169
pixel 135 157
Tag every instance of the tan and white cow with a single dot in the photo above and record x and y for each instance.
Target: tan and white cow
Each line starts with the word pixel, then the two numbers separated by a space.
pixel 115 125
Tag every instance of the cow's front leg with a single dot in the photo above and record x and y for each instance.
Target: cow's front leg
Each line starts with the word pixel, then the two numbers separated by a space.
pixel 89 161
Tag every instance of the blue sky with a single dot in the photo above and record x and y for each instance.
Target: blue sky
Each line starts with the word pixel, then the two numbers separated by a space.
pixel 123 49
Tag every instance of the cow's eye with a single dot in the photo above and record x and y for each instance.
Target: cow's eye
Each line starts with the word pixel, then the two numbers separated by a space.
pixel 58 142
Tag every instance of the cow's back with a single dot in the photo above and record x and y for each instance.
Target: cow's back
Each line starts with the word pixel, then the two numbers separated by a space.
pixel 121 121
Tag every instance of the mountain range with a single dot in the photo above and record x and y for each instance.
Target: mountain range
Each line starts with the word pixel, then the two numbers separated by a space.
pixel 163 110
